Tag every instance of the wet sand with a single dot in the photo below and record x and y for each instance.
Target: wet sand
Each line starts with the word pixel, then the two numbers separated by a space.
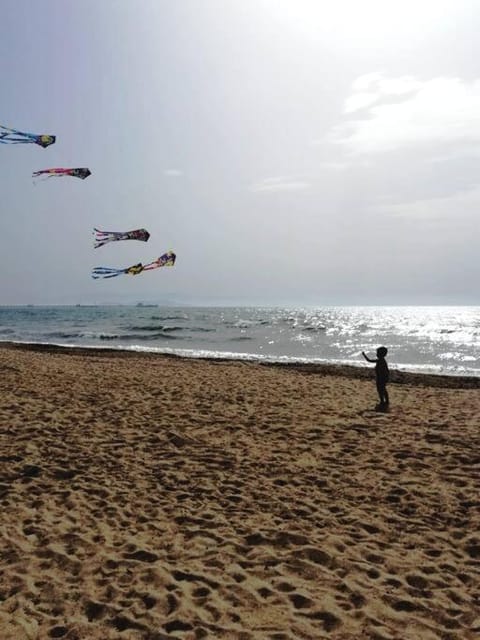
pixel 151 497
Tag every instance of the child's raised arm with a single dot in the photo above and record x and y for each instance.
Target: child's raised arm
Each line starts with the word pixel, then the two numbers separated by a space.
pixel 367 358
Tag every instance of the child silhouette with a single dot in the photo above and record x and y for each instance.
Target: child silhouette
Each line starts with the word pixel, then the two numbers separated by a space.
pixel 381 375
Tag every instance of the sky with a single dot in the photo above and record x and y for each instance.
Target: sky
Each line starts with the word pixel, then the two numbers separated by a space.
pixel 289 151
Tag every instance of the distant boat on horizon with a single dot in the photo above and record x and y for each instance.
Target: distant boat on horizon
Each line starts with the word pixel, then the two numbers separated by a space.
pixel 141 304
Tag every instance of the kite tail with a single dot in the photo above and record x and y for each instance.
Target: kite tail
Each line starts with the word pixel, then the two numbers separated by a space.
pixel 5 140
pixel 10 136
pixel 13 136
pixel 41 178
pixel 102 237
pixel 106 272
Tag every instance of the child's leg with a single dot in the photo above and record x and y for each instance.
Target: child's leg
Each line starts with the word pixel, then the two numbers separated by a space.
pixel 382 392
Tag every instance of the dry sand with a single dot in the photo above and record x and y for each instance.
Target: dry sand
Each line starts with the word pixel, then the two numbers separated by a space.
pixel 147 497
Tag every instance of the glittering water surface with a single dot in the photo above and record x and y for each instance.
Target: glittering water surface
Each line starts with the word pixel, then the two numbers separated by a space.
pixel 433 339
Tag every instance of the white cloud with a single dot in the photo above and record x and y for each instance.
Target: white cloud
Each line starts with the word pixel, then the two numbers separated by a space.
pixel 393 113
pixel 372 87
pixel 279 184
pixel 173 173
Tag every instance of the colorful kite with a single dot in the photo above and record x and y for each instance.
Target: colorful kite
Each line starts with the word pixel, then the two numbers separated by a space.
pixel 166 260
pixel 12 136
pixel 102 237
pixel 81 173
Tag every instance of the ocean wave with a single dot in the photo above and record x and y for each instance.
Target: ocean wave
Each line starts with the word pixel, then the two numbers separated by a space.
pixel 173 317
pixel 63 334
pixel 456 355
pixel 239 324
pixel 162 328
pixel 160 335
pixel 245 324
pixel 302 338
pixel 154 327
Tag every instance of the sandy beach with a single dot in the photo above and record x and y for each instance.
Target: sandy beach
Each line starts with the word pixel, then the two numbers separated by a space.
pixel 151 497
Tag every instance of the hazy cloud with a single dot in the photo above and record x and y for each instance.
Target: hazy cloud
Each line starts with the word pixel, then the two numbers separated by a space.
pixel 372 87
pixel 173 172
pixel 279 184
pixel 455 208
pixel 393 113
pixel 334 166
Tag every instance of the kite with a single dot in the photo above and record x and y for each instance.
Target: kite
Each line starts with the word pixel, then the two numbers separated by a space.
pixel 102 237
pixel 12 136
pixel 81 173
pixel 166 260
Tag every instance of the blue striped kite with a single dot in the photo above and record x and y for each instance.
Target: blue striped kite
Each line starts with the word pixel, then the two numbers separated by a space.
pixel 165 260
pixel 12 136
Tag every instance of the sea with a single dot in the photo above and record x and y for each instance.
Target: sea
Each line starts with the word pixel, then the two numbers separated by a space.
pixel 441 340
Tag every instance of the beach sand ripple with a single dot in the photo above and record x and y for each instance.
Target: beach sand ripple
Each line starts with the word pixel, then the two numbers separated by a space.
pixel 152 498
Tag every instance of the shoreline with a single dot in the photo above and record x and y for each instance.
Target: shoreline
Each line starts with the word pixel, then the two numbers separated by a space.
pixel 397 376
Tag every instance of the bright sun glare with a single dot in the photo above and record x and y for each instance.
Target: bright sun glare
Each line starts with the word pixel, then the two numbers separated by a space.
pixel 359 21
